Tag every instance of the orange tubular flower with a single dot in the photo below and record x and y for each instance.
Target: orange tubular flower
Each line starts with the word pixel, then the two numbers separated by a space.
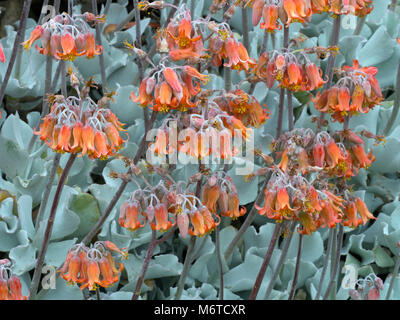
pixel 233 203
pixel 69 52
pixel 172 79
pixel 320 6
pixel 10 286
pixel 210 196
pixel 314 75
pixel 361 158
pixel 161 216
pixel 90 47
pixel 129 216
pixel 329 217
pixel 36 34
pixel 243 107
pixel 257 11
pixel 145 97
pixel 351 219
pixel 334 153
pixel 297 10
pixel 4 293
pixel 197 221
pixel 363 211
pixel 180 41
pixel 319 155
pixel 282 205
pixel 270 15
pixel 183 224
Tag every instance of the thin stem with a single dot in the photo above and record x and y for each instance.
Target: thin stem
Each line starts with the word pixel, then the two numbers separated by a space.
pixel 290 109
pixel 145 265
pixel 245 26
pixel 266 261
pixel 46 193
pixel 247 222
pixel 49 228
pixel 186 267
pixel 101 56
pixel 219 261
pixel 326 262
pixel 337 261
pixel 396 104
pixel 57 5
pixel 98 294
pixel 88 238
pixel 201 246
pixel 63 79
pixel 394 275
pixel 360 25
pixel 150 250
pixel 17 42
pixel 56 77
pixel 297 268
pixel 138 44
pixel 286 244
pixel 280 113
pixel 227 77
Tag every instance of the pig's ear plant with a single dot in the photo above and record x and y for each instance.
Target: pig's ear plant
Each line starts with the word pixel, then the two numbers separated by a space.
pixel 125 139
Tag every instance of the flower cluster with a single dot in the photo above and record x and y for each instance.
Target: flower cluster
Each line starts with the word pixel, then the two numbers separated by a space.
pixel 220 193
pixel 356 90
pixel 65 37
pixel 367 289
pixel 80 126
pixel 224 46
pixel 289 11
pixel 202 133
pixel 313 205
pixel 165 205
pixel 293 71
pixel 302 151
pixel 338 7
pixel 182 41
pixel 92 267
pixel 10 284
pixel 244 107
pixel 170 88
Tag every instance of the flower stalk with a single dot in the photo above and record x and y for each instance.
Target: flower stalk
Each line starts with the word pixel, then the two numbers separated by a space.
pixel 17 42
pixel 49 227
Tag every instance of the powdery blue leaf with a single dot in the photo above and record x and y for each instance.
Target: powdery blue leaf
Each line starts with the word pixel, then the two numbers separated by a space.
pixel 23 256
pixel 380 44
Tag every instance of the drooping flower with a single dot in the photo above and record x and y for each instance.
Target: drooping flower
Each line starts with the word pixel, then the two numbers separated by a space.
pixel 92 267
pixel 356 91
pixel 10 284
pixel 183 41
pixel 225 47
pixel 81 129
pixel 66 37
pixel 244 107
